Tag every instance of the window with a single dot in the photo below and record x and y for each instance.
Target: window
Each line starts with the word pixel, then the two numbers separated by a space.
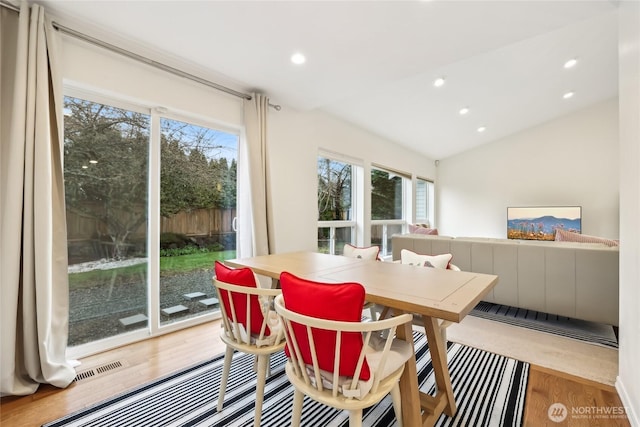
pixel 388 208
pixel 336 207
pixel 424 202
pixel 151 204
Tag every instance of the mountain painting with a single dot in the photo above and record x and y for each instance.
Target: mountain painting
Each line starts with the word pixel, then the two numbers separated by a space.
pixel 541 223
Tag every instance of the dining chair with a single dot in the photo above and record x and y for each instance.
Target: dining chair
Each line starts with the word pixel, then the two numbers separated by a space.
pixel 371 253
pixel 334 357
pixel 249 325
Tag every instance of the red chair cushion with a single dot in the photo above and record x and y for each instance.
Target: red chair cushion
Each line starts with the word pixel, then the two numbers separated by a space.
pixel 241 277
pixel 331 301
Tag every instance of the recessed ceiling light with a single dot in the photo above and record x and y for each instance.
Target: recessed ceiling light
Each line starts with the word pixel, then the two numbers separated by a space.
pixel 85 167
pixel 571 63
pixel 464 110
pixel 298 58
pixel 93 162
pixel 568 95
pixel 482 129
pixel 439 82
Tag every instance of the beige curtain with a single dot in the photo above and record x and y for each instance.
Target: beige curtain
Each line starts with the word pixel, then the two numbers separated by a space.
pixel 252 200
pixel 33 258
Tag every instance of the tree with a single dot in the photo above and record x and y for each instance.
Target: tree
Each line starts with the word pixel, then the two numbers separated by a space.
pixel 175 184
pixel 105 167
pixel 194 171
pixel 228 178
pixel 334 189
pixel 385 204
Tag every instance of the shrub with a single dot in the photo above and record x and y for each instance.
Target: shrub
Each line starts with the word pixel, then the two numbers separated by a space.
pixel 186 250
pixel 215 247
pixel 174 240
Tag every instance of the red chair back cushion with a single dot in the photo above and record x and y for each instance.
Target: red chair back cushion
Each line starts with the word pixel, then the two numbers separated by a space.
pixel 331 301
pixel 240 277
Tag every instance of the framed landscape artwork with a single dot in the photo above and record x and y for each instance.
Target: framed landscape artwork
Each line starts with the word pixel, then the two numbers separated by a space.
pixel 541 222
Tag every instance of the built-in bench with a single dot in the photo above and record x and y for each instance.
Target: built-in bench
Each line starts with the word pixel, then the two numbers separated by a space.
pixel 578 280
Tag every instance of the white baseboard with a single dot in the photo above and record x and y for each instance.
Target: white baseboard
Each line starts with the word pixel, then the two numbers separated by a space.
pixel 632 412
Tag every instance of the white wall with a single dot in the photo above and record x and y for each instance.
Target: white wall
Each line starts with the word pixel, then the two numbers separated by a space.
pixel 294 140
pixel 570 161
pixel 96 69
pixel 628 383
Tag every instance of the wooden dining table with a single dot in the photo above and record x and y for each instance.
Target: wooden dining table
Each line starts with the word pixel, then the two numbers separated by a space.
pixel 428 292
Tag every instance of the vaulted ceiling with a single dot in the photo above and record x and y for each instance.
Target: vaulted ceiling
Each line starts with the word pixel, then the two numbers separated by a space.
pixel 373 63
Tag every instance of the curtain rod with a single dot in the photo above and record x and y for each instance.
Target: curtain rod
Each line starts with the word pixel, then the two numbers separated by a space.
pixel 164 67
pixel 141 58
pixel 10 6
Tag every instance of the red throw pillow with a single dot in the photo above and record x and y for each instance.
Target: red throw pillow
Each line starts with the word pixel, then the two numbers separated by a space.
pixel 241 277
pixel 331 301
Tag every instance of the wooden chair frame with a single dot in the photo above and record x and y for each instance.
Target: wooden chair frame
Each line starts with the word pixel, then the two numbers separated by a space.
pixel 261 346
pixel 312 386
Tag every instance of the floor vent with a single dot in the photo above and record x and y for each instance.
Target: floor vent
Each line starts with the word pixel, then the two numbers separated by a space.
pixel 84 375
pixel 108 367
pixel 90 373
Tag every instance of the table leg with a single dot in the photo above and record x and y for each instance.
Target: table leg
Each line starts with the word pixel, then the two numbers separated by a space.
pixel 411 409
pixel 438 351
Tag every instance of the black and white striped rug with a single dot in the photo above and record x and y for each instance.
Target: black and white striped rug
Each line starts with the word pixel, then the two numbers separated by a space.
pixel 591 332
pixel 489 390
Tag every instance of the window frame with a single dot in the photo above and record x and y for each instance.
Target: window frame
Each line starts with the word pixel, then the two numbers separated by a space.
pixel 429 202
pixel 355 223
pixel 406 204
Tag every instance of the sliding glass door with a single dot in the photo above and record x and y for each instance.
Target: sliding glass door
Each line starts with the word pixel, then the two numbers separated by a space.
pixel 198 169
pixel 151 204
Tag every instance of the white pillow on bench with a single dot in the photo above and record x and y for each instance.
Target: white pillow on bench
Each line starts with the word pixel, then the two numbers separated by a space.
pixel 435 261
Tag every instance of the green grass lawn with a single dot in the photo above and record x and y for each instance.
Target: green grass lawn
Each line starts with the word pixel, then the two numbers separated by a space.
pixel 182 263
pixel 168 266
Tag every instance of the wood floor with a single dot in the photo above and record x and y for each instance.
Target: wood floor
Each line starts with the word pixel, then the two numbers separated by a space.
pixel 144 361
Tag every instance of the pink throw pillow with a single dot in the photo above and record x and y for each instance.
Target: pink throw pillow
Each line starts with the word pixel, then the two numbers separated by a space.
pixel 416 229
pixel 570 236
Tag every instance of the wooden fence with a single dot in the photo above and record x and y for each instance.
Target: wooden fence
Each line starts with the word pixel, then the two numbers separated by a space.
pixel 198 222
